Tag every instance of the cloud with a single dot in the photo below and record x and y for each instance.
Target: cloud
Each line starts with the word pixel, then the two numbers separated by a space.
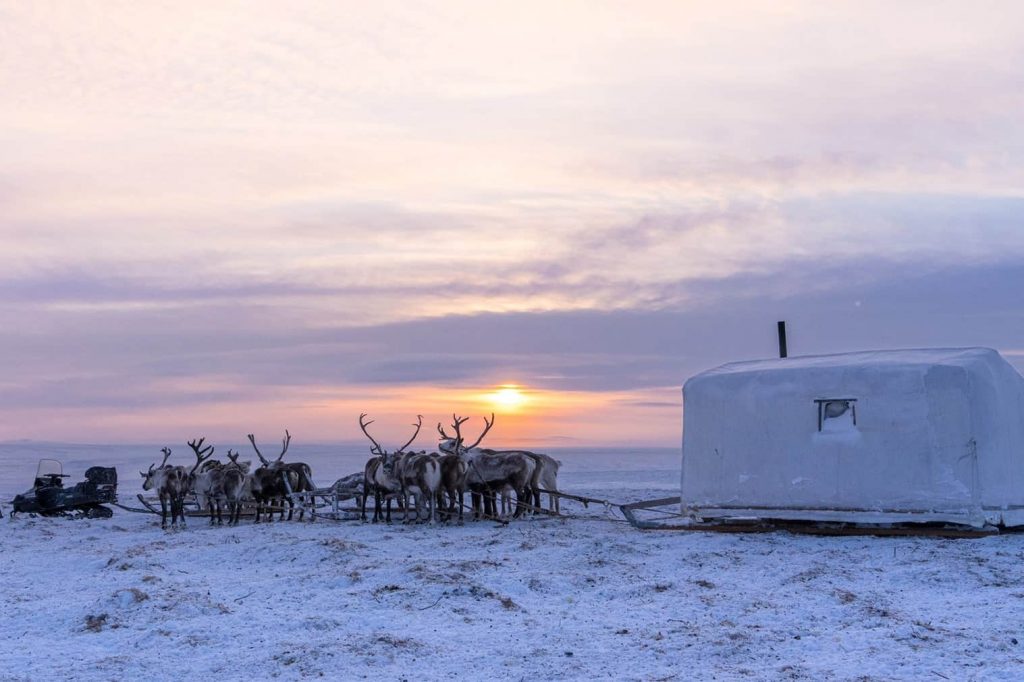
pixel 587 350
pixel 200 204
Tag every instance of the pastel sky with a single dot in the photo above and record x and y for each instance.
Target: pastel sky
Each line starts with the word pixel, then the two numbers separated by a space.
pixel 223 217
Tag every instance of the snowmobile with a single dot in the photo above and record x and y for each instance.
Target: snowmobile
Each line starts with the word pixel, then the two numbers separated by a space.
pixel 49 497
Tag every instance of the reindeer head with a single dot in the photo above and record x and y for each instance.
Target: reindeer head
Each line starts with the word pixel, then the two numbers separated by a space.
pixel 388 462
pixel 154 477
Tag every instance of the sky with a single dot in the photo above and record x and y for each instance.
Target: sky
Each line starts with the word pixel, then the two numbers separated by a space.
pixel 225 217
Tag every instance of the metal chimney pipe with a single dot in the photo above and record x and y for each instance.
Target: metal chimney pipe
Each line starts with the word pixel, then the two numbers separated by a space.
pixel 783 352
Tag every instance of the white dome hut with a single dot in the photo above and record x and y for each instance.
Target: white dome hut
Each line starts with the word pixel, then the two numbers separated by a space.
pixel 903 436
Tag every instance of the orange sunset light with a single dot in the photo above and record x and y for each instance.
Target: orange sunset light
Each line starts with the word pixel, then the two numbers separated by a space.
pixel 508 398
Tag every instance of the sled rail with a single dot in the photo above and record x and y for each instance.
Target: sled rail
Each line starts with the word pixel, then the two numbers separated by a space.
pixel 679 521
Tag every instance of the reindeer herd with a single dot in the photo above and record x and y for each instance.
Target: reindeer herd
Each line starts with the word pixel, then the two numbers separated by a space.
pixel 427 487
pixel 438 482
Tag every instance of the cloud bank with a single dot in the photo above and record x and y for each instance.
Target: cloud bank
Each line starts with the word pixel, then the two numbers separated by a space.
pixel 216 215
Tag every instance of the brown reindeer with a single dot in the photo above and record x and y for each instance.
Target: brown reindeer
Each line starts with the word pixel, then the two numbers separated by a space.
pixel 300 478
pixel 453 485
pixel 379 473
pixel 172 485
pixel 208 484
pixel 273 482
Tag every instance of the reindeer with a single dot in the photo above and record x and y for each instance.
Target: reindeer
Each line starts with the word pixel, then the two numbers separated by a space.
pixel 379 473
pixel 488 473
pixel 545 477
pixel 208 484
pixel 453 485
pixel 420 475
pixel 274 481
pixel 172 484
pixel 236 478
pixel 300 480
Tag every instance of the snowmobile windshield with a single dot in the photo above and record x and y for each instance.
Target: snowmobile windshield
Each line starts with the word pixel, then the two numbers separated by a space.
pixel 49 467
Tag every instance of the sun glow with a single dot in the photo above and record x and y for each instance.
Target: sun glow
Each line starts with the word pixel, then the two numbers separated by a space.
pixel 508 398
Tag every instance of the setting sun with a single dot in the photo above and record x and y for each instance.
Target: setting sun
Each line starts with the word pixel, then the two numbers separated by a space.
pixel 508 397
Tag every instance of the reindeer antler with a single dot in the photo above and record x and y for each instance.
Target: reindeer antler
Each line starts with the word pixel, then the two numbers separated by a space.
pixel 197 447
pixel 167 456
pixel 252 439
pixel 233 456
pixel 418 424
pixel 457 423
pixel 486 429
pixel 376 446
pixel 284 445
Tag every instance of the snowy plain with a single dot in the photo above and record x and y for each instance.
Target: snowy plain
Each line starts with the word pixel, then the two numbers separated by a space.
pixel 543 598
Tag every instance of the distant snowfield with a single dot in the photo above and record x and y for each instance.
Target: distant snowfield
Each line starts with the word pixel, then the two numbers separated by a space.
pixel 539 599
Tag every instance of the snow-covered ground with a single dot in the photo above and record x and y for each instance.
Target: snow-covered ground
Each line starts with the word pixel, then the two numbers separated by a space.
pixel 541 598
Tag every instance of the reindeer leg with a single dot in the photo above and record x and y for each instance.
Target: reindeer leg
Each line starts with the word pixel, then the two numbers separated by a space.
pixel 521 496
pixel 163 511
pixel 490 505
pixel 449 502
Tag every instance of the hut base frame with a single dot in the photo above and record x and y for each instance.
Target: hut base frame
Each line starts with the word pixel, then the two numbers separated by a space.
pixel 664 514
